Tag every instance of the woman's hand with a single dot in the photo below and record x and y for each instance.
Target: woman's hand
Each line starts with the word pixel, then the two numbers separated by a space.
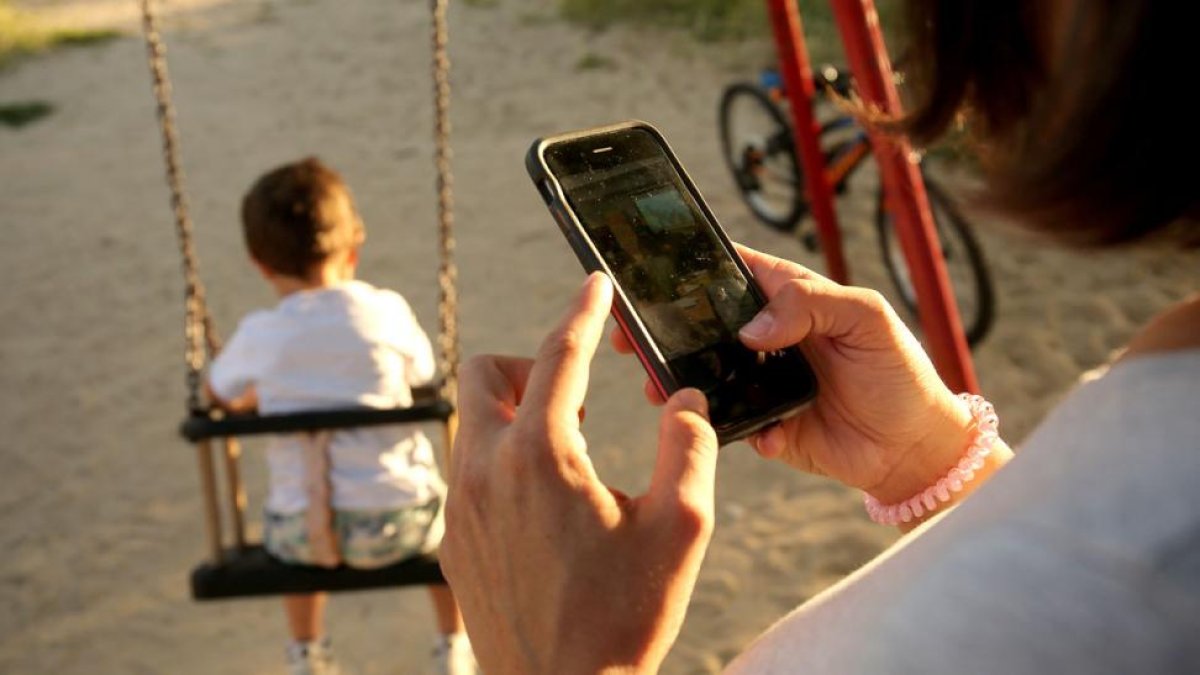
pixel 882 420
pixel 554 571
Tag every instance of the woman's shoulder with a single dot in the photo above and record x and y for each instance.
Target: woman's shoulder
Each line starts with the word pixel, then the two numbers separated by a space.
pixel 1175 330
pixel 1118 459
pixel 1143 384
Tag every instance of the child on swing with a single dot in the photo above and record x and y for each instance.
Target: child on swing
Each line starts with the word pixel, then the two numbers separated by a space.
pixel 333 342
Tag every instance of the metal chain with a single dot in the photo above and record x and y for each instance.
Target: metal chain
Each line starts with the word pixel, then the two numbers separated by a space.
pixel 199 331
pixel 447 270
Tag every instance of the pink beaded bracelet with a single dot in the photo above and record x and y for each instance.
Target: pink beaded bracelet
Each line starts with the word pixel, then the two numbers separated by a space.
pixel 933 497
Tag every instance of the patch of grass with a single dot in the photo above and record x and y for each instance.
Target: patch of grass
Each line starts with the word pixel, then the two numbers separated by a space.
pixel 592 61
pixel 720 20
pixel 17 115
pixel 535 18
pixel 22 35
pixel 705 19
pixel 265 13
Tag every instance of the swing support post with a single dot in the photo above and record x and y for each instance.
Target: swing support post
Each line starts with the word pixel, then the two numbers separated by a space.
pixel 858 23
pixel 208 493
pixel 867 55
pixel 796 70
pixel 236 491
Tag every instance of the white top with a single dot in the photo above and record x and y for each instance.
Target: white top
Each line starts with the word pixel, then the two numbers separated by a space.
pixel 1081 556
pixel 346 345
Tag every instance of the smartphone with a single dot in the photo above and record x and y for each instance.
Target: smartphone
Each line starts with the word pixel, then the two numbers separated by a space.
pixel 628 208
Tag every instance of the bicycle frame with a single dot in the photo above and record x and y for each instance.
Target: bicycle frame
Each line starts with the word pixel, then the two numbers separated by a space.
pixel 859 25
pixel 841 160
pixel 844 158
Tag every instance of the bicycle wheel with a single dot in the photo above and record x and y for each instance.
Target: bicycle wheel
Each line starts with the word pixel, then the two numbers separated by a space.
pixel 972 285
pixel 756 140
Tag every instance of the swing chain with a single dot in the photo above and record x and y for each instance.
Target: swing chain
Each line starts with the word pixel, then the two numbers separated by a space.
pixel 447 270
pixel 199 331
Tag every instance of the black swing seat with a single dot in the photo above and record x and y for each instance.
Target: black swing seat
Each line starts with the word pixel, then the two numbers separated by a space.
pixel 427 407
pixel 252 572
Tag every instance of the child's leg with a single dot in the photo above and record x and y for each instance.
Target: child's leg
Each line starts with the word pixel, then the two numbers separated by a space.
pixel 452 654
pixel 449 620
pixel 310 651
pixel 306 615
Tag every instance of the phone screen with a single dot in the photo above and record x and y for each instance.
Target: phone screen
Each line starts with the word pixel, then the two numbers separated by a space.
pixel 677 273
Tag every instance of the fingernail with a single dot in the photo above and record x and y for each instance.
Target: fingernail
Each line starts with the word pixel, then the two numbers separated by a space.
pixel 759 327
pixel 597 282
pixel 596 279
pixel 764 443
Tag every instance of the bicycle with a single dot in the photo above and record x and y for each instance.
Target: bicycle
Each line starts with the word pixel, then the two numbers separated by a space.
pixel 770 180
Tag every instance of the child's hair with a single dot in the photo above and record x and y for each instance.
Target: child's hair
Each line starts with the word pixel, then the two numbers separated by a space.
pixel 298 215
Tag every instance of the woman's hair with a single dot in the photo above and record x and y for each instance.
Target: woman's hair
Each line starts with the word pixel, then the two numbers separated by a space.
pixel 1077 106
pixel 298 215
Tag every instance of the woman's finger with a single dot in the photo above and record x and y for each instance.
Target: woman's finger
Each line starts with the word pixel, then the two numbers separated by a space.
pixel 619 342
pixel 490 389
pixel 685 470
pixel 769 443
pixel 558 380
pixel 622 345
pixel 653 395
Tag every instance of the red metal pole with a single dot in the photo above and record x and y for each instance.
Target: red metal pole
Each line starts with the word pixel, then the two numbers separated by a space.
pixel 858 23
pixel 798 83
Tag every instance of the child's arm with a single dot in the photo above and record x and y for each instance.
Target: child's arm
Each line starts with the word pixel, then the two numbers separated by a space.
pixel 422 367
pixel 246 402
pixel 233 374
pixel 419 364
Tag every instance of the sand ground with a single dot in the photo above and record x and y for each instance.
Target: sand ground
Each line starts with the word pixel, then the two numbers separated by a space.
pixel 99 508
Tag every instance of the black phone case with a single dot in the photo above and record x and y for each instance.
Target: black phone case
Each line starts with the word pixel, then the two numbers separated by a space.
pixel 647 350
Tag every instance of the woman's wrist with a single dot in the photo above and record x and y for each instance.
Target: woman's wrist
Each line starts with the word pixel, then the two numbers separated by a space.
pixel 953 430
pixel 999 456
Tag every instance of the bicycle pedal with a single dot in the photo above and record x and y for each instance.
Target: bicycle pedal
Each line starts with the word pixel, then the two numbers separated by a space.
pixel 812 243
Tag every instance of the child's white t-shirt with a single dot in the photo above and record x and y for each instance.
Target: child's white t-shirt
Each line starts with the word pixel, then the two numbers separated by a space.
pixel 345 345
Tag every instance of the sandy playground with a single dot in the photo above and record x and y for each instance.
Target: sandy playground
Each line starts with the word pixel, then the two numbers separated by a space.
pixel 99 507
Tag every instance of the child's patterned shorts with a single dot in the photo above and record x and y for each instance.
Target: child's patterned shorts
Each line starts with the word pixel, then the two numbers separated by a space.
pixel 366 539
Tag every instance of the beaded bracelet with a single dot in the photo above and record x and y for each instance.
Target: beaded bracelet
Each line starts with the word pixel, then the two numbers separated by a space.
pixel 933 497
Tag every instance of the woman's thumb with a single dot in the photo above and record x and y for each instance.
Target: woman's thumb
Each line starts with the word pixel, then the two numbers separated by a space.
pixel 803 307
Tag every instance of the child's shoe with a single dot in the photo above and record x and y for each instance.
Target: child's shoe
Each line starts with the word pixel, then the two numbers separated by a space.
pixel 453 656
pixel 312 658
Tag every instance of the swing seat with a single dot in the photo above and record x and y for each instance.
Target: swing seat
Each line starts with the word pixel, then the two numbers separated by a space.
pixel 252 572
pixel 205 424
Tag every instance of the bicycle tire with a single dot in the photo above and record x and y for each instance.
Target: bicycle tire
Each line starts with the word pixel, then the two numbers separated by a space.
pixel 792 206
pixel 955 235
